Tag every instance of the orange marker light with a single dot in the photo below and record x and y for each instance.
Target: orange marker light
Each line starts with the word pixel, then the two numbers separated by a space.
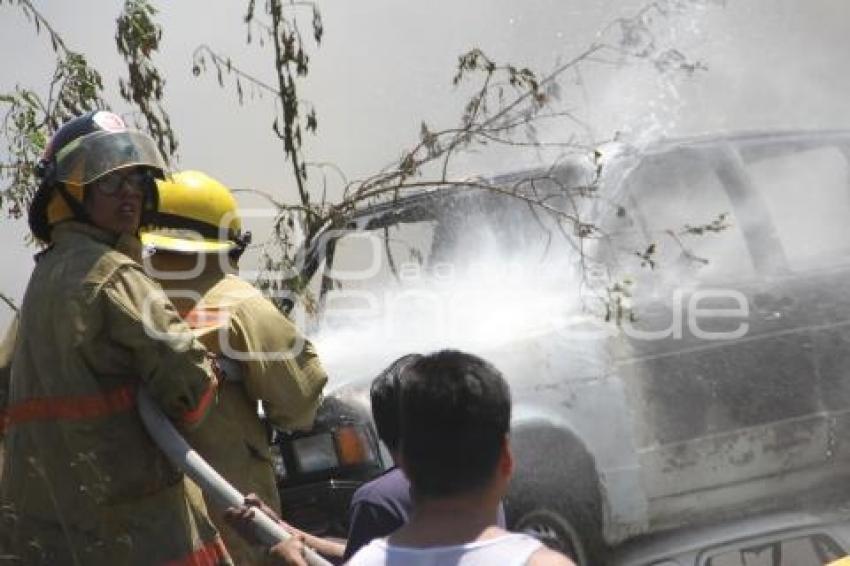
pixel 351 446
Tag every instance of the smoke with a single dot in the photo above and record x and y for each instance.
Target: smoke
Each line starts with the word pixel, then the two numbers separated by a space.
pixel 483 284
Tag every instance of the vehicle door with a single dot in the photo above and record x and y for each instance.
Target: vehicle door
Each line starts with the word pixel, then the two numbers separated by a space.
pixel 721 394
pixel 804 183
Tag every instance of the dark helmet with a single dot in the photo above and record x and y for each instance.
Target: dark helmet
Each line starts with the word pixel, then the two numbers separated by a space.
pixel 82 151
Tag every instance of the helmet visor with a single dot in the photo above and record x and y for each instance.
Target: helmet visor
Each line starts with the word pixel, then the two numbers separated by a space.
pixel 90 157
pixel 183 241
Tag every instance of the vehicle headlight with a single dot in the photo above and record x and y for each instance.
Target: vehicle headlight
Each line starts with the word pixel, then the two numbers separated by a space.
pixel 344 446
pixel 353 446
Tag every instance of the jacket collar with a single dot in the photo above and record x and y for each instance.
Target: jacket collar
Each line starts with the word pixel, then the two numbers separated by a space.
pixel 128 244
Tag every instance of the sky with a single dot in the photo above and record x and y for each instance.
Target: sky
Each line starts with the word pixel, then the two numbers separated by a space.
pixel 385 66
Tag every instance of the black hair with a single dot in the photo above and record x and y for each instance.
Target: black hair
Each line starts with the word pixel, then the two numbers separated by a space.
pixel 385 400
pixel 455 415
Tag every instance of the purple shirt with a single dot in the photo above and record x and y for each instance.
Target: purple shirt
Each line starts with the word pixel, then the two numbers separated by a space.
pixel 380 507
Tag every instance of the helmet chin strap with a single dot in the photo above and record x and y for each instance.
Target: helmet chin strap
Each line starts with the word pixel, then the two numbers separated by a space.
pixel 41 201
pixel 242 242
pixel 76 206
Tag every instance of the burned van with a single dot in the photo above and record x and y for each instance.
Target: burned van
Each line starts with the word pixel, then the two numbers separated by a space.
pixel 674 322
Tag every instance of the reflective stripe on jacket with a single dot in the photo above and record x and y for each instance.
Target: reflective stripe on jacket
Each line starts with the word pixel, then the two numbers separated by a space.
pixel 81 475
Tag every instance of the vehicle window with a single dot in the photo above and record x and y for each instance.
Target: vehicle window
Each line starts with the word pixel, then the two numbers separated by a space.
pixel 463 280
pixel 670 193
pixel 364 275
pixel 361 259
pixel 808 198
pixel 469 238
pixel 813 550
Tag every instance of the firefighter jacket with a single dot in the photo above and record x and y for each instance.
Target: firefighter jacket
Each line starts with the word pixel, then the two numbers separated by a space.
pixel 7 348
pixel 83 483
pixel 278 367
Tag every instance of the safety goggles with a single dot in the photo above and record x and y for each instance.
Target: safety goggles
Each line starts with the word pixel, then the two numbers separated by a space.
pixel 136 179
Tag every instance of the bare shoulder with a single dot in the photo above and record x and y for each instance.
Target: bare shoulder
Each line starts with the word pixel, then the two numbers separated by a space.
pixel 548 557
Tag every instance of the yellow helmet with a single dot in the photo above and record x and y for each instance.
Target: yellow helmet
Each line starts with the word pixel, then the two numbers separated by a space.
pixel 196 214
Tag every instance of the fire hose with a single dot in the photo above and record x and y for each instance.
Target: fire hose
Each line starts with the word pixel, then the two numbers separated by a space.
pixel 184 458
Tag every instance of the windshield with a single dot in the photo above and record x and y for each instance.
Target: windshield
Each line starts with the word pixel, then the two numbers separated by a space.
pixel 484 272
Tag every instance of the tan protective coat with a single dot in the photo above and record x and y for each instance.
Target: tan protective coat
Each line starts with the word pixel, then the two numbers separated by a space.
pixel 279 367
pixel 83 483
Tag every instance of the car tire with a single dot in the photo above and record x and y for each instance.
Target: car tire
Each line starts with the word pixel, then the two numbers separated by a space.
pixel 556 499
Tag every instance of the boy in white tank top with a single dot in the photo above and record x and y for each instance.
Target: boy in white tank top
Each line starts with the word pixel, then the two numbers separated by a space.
pixel 455 418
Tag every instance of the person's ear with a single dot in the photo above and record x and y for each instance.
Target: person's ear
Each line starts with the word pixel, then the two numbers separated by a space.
pixel 506 458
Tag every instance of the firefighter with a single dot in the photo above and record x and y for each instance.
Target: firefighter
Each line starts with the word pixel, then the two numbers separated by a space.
pixel 83 483
pixel 196 240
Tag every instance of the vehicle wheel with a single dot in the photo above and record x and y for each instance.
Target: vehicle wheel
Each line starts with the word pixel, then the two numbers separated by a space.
pixel 554 531
pixel 555 494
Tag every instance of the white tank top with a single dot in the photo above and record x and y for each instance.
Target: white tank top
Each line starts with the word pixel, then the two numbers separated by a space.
pixel 512 549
